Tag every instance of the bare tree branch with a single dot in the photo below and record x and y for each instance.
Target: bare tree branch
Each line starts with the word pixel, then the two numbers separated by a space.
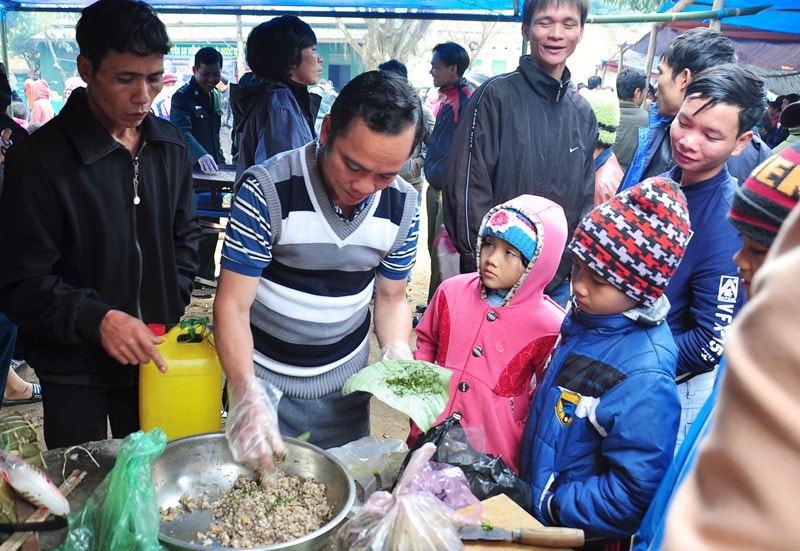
pixel 386 39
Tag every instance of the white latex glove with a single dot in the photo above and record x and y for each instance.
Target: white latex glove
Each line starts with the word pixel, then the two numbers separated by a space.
pixel 397 350
pixel 252 426
pixel 207 163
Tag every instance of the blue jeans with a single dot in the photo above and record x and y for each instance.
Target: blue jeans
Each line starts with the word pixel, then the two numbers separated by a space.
pixel 333 420
pixel 693 394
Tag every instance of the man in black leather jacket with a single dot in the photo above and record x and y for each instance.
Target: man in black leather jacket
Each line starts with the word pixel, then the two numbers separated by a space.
pixel 99 230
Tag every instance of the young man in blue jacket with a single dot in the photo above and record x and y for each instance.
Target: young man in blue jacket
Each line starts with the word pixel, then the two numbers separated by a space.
pixel 714 122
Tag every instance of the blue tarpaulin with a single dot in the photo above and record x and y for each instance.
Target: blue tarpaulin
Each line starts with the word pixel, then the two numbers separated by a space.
pixel 782 16
pixel 497 10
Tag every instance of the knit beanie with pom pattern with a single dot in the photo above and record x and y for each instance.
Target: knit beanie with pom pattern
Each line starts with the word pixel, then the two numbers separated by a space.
pixel 636 239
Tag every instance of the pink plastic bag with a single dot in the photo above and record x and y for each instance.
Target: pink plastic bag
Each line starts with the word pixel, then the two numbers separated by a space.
pixel 409 518
pixel 449 263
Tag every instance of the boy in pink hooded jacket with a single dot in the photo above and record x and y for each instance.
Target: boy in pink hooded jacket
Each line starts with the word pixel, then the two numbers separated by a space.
pixel 495 328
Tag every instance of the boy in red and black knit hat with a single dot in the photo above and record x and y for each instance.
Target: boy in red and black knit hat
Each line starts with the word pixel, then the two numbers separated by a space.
pixel 601 431
pixel 761 205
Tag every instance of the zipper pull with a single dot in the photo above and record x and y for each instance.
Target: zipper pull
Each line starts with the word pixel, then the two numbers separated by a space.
pixel 136 198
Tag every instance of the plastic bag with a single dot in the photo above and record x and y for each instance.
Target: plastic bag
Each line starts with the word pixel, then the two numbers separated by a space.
pixel 449 259
pixel 488 476
pixel 405 519
pixel 372 462
pixel 122 513
pixel 450 485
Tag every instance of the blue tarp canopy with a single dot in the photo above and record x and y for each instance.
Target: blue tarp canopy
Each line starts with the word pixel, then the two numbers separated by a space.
pixel 780 17
pixel 488 10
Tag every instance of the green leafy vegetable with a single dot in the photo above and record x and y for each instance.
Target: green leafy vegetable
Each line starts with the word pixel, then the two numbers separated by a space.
pixel 417 389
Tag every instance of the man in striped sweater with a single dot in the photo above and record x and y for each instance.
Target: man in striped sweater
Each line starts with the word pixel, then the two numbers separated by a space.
pixel 312 232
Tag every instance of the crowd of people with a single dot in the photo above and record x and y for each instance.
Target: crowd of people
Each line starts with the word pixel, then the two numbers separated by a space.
pixel 623 274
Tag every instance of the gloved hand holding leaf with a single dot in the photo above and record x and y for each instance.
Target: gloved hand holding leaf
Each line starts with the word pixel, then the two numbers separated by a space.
pixel 418 389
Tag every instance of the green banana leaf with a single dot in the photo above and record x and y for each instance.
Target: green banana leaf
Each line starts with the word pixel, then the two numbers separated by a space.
pixel 417 389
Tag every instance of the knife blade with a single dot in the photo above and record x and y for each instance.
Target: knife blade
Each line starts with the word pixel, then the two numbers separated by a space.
pixel 546 536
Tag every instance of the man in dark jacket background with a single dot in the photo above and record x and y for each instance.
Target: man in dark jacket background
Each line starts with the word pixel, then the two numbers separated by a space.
pixel 631 91
pixel 99 230
pixel 448 65
pixel 527 131
pixel 197 110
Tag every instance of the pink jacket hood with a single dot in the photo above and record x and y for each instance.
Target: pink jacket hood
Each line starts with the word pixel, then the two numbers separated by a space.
pixel 551 232
pixel 41 89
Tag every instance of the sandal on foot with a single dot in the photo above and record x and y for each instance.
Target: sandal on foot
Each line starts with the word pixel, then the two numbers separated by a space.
pixel 36 396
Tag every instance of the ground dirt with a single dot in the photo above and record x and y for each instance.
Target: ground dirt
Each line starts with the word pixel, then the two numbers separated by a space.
pixel 386 422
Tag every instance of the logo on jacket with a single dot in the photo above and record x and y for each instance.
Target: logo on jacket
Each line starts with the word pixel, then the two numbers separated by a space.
pixel 728 289
pixel 565 408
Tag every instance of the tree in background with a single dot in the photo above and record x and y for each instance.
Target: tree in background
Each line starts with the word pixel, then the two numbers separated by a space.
pixel 386 39
pixel 24 26
pixel 472 37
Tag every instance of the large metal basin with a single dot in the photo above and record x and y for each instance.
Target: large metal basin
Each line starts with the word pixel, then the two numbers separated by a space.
pixel 203 464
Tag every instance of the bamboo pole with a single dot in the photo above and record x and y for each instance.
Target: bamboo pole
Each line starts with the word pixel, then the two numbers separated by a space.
pixel 716 24
pixel 673 16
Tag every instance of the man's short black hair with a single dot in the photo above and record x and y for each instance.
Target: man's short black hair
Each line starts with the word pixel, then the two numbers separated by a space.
pixel 697 50
pixel 594 82
pixel 735 85
pixel 385 102
pixel 394 66
pixel 276 46
pixel 628 80
pixel 453 54
pixel 124 26
pixel 207 56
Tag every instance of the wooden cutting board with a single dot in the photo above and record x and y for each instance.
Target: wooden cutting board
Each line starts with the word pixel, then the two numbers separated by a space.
pixel 502 512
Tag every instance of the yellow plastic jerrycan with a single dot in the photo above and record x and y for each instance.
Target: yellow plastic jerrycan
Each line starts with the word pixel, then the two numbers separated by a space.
pixel 187 399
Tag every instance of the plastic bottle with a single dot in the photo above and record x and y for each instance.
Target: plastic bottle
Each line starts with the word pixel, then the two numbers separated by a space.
pixel 187 399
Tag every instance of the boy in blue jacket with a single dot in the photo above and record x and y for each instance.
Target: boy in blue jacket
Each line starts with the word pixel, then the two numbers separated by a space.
pixel 601 431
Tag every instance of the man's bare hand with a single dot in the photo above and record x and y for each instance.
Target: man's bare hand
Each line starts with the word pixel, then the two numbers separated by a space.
pixel 129 341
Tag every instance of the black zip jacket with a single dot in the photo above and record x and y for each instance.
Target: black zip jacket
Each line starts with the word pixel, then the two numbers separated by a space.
pixel 86 227
pixel 522 132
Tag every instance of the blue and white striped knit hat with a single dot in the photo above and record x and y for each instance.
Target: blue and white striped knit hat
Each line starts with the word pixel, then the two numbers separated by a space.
pixel 512 226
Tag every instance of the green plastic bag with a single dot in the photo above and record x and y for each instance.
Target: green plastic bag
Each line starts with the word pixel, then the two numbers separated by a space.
pixel 122 513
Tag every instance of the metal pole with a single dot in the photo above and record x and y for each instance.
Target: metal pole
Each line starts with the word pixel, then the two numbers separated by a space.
pixel 4 36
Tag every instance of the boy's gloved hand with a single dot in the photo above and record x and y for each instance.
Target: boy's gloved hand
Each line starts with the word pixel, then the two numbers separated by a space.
pixel 252 427
pixel 207 163
pixel 397 350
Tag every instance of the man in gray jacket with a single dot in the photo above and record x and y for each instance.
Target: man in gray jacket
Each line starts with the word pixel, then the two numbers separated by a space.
pixel 527 131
